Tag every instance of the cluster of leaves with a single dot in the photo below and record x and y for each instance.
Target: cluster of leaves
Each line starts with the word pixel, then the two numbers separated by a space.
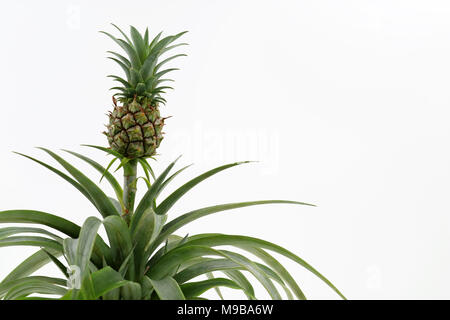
pixel 142 67
pixel 143 258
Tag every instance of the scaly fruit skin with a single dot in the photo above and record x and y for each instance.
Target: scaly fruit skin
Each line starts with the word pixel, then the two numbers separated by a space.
pixel 135 129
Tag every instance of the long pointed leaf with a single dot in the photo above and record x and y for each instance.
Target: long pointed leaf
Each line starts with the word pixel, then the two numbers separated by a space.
pixel 120 241
pixel 62 175
pixel 203 267
pixel 167 289
pixel 107 150
pixel 184 219
pixel 86 241
pixel 150 196
pixel 31 241
pixel 162 266
pixel 279 269
pixel 195 289
pixel 65 226
pixel 242 281
pixel 243 242
pixel 32 286
pixel 39 217
pixel 177 194
pixel 106 280
pixel 141 236
pixel 211 276
pixel 31 264
pixel 6 232
pixel 114 184
pixel 103 203
pixel 6 286
pixel 58 263
pixel 131 291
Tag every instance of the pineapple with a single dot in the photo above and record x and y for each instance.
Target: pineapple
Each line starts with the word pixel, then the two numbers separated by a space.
pixel 135 126
pixel 143 254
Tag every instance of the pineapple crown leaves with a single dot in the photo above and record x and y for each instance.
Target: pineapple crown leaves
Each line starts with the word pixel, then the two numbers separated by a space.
pixel 142 66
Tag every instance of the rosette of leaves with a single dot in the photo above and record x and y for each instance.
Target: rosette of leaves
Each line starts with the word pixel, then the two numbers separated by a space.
pixel 142 256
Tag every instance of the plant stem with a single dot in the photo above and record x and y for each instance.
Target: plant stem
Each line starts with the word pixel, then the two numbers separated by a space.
pixel 129 188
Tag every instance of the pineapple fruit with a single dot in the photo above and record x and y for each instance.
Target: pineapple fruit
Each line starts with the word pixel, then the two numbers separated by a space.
pixel 135 126
pixel 135 129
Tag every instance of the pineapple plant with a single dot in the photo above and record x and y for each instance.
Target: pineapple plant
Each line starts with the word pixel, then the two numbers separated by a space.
pixel 142 256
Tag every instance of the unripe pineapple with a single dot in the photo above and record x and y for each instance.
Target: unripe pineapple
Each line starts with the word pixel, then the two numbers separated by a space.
pixel 135 126
pixel 135 129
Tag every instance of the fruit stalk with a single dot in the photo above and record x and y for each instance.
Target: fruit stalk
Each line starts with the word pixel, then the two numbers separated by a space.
pixel 129 188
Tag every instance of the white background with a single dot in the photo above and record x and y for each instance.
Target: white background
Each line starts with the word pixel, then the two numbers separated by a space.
pixel 344 103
